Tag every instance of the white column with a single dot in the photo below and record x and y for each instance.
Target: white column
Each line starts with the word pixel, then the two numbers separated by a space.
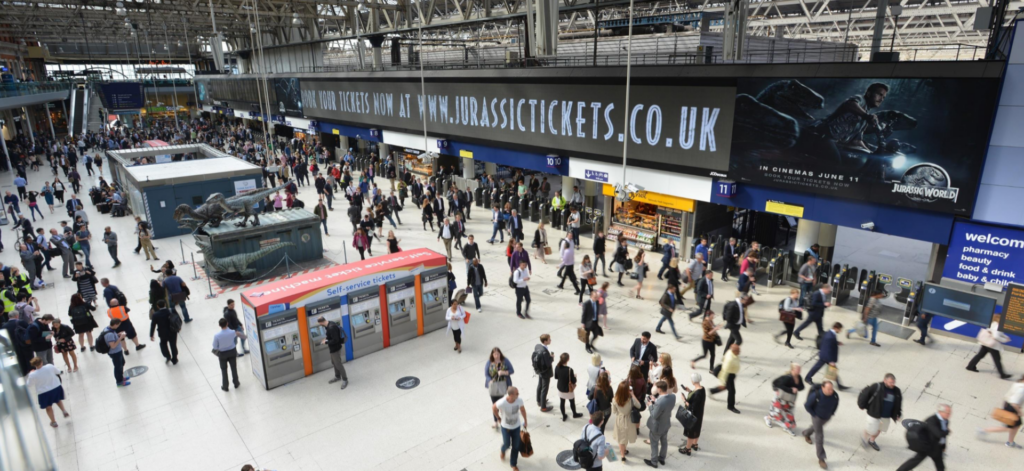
pixel 28 120
pixel 468 168
pixel 827 240
pixel 49 119
pixel 806 236
pixel 490 168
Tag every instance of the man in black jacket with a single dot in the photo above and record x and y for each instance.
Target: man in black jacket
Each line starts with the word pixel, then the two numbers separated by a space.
pixel 816 310
pixel 705 293
pixel 515 226
pixel 643 352
pixel 729 255
pixel 542 365
pixel 937 428
pixel 335 344
pixel 883 402
pixel 353 217
pixel 161 324
pixel 589 321
pixel 39 338
pixel 476 278
pixel 470 251
pixel 821 404
pixel 735 315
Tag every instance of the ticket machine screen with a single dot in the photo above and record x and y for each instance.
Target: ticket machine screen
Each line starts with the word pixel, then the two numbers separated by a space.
pixel 273 345
pixel 431 296
pixel 396 307
pixel 317 331
pixel 359 320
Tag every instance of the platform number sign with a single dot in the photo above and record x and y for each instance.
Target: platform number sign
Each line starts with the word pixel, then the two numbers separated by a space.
pixel 554 161
pixel 725 188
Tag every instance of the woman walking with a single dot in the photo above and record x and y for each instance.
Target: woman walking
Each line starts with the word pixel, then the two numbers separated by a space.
pixel 730 367
pixel 623 408
pixel 428 215
pixel 786 387
pixel 65 344
pixel 1013 402
pixel 602 304
pixel 80 313
pixel 44 379
pixel 565 380
pixel 694 403
pixel 641 271
pixel 361 243
pixel 498 373
pixel 393 243
pixel 603 394
pixel 708 341
pixel 620 258
pixel 58 189
pixel 588 278
pixel 788 314
pixel 456 321
pixel 47 192
pixel 540 241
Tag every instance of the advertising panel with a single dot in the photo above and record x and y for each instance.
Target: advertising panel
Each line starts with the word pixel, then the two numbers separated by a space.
pixel 123 95
pixel 686 129
pixel 980 253
pixel 917 143
pixel 289 97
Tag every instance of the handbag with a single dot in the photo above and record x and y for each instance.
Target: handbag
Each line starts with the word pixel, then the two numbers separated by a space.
pixel 718 341
pixel 1006 417
pixel 547 250
pixel 591 281
pixel 787 317
pixel 592 405
pixel 628 265
pixel 685 417
pixel 525 446
pixel 634 415
pixel 581 334
pixel 498 387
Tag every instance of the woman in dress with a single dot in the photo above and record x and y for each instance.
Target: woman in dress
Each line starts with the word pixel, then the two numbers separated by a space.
pixel 65 344
pixel 639 388
pixel 566 384
pixel 602 304
pixel 640 270
pixel 603 394
pixel 47 192
pixel 393 243
pixel 80 313
pixel 498 373
pixel 622 409
pixel 44 379
pixel 86 280
pixel 456 322
pixel 540 240
pixel 694 402
pixel 58 189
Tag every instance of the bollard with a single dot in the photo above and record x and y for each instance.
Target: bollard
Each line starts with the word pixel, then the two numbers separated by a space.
pixel 195 274
pixel 181 246
pixel 344 249
pixel 287 266
pixel 209 286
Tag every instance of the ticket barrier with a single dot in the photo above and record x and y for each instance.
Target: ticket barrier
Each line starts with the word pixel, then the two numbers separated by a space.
pixel 320 353
pixel 867 286
pixel 402 317
pixel 840 291
pixel 556 218
pixel 910 312
pixel 513 202
pixel 486 196
pixel 524 207
pixel 777 269
pixel 478 195
pixel 281 347
pixel 434 286
pixel 364 321
pixel 535 210
pixel 545 212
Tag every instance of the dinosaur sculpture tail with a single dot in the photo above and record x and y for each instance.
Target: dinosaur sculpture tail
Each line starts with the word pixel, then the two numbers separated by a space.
pixel 253 256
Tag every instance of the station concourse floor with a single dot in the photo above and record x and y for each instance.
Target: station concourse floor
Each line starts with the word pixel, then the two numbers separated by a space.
pixel 177 418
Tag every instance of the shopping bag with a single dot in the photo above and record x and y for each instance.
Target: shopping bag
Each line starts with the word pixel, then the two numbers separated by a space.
pixel 832 373
pixel 1005 416
pixel 581 333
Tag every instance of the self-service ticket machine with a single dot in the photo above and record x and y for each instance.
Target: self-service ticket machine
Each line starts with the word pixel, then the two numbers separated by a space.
pixel 402 324
pixel 365 321
pixel 434 285
pixel 330 310
pixel 281 347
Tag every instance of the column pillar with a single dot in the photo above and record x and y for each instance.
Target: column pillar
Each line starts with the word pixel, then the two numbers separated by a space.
pixel 490 168
pixel 67 119
pixel 49 119
pixel 567 184
pixel 7 156
pixel 30 125
pixel 378 58
pixel 468 168
pixel 806 236
pixel 879 29
pixel 827 240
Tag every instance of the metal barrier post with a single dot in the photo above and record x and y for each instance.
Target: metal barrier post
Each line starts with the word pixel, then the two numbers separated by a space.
pixel 181 245
pixel 287 266
pixel 209 286
pixel 344 250
pixel 195 274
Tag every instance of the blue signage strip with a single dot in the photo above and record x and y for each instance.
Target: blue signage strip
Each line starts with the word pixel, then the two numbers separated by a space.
pixel 365 134
pixel 595 175
pixel 552 164
pixel 980 253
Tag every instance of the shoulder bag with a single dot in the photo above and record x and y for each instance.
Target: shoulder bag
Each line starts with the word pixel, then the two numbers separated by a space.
pixel 499 385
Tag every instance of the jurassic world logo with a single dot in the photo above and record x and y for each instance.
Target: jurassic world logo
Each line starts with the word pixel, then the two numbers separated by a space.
pixel 926 183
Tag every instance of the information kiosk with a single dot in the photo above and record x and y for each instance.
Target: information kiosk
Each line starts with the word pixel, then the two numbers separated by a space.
pixel 281 347
pixel 401 303
pixel 434 285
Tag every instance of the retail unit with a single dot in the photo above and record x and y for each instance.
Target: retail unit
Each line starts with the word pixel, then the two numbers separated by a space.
pixel 373 300
pixel 648 220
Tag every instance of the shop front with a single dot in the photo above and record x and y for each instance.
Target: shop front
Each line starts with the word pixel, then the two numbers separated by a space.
pixel 339 138
pixel 648 220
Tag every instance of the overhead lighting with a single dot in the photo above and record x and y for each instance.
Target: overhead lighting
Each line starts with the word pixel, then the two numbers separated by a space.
pixel 179 43
pixel 295 19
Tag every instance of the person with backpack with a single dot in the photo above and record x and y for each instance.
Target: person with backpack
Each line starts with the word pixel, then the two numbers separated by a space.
pixel 512 414
pixel 26 307
pixel 335 344
pixel 822 403
pixel 40 338
pixel 928 439
pixel 167 325
pixel 591 449
pixel 110 342
pixel 882 401
pixel 543 361
pixel 125 326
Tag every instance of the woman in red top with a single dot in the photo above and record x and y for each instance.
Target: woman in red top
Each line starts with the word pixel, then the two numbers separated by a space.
pixel 289 199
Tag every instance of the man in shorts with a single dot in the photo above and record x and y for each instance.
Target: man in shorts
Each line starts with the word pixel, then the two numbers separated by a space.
pixel 883 402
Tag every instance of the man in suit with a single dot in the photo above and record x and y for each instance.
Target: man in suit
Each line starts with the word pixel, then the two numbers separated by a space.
pixel 438 205
pixel 729 255
pixel 447 233
pixel 667 255
pixel 589 320
pixel 659 422
pixel 816 310
pixel 515 224
pixel 161 324
pixel 460 230
pixel 643 352
pixel 72 204
pixel 735 315
pixel 668 307
pixel 705 293
pixel 828 353
pixel 938 428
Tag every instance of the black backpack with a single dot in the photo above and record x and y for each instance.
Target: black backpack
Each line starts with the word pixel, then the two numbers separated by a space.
pixel 918 438
pixel 101 344
pixel 583 451
pixel 122 300
pixel 537 366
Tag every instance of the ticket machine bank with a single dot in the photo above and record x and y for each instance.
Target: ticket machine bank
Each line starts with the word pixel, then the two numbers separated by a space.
pixel 281 347
pixel 434 285
pixel 365 322
pixel 402 323
pixel 333 312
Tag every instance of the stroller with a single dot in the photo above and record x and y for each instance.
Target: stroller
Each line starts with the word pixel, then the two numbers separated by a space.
pixel 781 411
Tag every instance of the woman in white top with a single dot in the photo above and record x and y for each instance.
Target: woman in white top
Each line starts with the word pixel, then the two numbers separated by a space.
pixel 456 322
pixel 593 370
pixel 664 361
pixel 1012 403
pixel 44 379
pixel 587 277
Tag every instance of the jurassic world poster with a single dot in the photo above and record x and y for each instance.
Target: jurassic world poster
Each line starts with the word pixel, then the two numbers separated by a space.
pixel 917 143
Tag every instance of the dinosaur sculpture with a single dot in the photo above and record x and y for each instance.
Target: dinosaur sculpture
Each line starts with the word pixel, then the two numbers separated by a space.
pixel 210 215
pixel 218 267
pixel 243 204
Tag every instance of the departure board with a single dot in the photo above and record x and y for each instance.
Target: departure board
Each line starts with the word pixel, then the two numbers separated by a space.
pixel 1012 319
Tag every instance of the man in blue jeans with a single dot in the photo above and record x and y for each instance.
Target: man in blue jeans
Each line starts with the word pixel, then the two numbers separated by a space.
pixel 806 275
pixel 114 340
pixel 510 411
pixel 496 222
pixel 176 293
pixel 870 317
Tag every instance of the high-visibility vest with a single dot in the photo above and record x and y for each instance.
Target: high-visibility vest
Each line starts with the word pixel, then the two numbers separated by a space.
pixel 118 312
pixel 8 304
pixel 22 283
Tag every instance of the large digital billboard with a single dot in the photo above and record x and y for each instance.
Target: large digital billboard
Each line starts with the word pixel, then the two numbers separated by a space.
pixel 683 128
pixel 289 97
pixel 123 95
pixel 917 143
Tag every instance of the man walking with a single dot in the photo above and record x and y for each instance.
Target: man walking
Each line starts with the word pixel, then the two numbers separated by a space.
pixel 936 428
pixel 883 402
pixel 521 278
pixel 806 275
pixel 161 325
pixel 659 422
pixel 176 293
pixel 512 412
pixel 447 233
pixel 816 309
pixel 567 252
pixel 476 280
pixel 735 316
pixel 224 345
pixel 821 404
pixel 574 224
pixel 828 354
pixel 335 342
pixel 321 212
pixel 66 255
pixel 515 225
pixel 693 272
pixel 668 307
pixel 729 258
pixel 543 359
pixel 110 238
pixel 114 340
pixel 990 340
pixel 667 254
pixel 589 321
pixel 705 293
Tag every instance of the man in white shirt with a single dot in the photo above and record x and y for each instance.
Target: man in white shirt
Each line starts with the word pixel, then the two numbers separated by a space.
pixel 446 233
pixel 520 278
pixel 512 412
pixel 574 224
pixel 592 434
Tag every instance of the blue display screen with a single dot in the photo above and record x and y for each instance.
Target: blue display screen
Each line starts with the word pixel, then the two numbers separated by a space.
pixel 958 305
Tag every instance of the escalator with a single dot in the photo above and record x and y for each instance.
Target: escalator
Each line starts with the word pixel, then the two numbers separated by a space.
pixel 78 111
